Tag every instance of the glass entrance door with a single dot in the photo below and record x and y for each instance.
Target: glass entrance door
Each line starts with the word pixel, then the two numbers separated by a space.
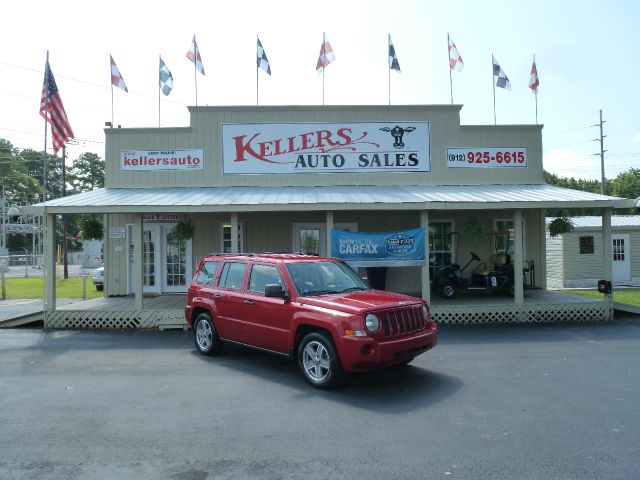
pixel 177 267
pixel 150 260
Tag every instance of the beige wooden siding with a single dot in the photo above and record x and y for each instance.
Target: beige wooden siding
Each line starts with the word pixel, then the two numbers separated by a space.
pixel 205 133
pixel 634 239
pixel 116 255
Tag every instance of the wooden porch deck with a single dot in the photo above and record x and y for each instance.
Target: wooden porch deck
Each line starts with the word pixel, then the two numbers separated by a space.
pixel 166 311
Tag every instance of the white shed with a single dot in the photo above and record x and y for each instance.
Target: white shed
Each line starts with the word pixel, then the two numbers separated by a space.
pixel 575 259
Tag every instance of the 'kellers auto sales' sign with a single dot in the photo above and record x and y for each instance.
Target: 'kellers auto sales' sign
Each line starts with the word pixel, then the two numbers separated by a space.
pixel 325 148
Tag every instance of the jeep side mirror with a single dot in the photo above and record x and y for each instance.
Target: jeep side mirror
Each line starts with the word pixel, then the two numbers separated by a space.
pixel 275 290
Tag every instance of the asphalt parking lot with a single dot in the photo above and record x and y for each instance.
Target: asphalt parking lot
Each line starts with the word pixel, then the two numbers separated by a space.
pixel 489 402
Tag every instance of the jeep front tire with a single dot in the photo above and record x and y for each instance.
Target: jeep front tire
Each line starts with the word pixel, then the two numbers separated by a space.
pixel 318 361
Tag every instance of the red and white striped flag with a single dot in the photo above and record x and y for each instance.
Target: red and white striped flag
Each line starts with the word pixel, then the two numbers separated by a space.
pixel 116 77
pixel 194 56
pixel 326 55
pixel 534 81
pixel 455 60
pixel 52 109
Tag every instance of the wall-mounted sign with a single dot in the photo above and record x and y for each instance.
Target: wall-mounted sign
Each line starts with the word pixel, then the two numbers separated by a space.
pixel 116 232
pixel 482 157
pixel 371 249
pixel 277 148
pixel 157 160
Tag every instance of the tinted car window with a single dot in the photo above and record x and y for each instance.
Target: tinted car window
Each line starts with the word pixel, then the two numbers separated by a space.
pixel 232 275
pixel 318 278
pixel 261 275
pixel 206 274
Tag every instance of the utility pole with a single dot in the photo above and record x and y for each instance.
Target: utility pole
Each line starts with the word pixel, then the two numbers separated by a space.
pixel 602 150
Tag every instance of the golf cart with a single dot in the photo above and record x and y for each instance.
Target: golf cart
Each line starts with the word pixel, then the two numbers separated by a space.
pixel 497 277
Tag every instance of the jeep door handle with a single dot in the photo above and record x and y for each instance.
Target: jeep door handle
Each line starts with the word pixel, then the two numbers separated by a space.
pixel 248 302
pixel 218 296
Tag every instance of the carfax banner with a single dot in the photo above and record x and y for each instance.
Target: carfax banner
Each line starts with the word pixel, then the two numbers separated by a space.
pixel 379 249
pixel 373 147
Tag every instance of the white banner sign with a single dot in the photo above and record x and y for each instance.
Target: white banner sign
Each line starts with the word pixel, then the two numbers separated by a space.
pixel 482 157
pixel 380 147
pixel 146 160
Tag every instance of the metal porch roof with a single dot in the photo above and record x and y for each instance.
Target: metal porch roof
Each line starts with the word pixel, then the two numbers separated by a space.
pixel 343 197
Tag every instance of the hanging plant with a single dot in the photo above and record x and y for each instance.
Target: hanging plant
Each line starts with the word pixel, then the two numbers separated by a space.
pixel 183 230
pixel 91 227
pixel 474 229
pixel 559 225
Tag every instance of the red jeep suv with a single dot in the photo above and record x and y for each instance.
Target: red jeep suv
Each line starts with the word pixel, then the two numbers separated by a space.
pixel 313 309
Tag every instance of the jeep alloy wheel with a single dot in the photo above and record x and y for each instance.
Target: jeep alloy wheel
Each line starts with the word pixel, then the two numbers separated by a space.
pixel 318 360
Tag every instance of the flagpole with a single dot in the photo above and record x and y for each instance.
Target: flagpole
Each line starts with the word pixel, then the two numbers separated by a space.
pixel 324 61
pixel 195 68
pixel 257 68
pixel 46 114
pixel 449 61
pixel 536 91
pixel 493 83
pixel 388 60
pixel 111 97
pixel 160 57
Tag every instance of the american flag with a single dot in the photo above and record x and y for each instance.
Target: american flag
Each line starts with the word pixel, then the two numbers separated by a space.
pixel 534 81
pixel 116 77
pixel 194 56
pixel 455 60
pixel 502 81
pixel 393 58
pixel 263 62
pixel 52 110
pixel 326 55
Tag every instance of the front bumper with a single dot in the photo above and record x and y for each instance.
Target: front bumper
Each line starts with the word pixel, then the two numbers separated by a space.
pixel 359 354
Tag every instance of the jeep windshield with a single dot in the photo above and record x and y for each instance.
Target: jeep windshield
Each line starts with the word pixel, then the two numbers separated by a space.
pixel 324 278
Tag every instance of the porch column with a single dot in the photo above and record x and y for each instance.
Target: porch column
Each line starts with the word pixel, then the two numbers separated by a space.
pixel 106 251
pixel 329 222
pixel 50 262
pixel 424 271
pixel 607 254
pixel 234 233
pixel 138 257
pixel 518 257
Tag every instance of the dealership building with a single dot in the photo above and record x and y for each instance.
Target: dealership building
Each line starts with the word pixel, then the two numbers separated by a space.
pixel 320 179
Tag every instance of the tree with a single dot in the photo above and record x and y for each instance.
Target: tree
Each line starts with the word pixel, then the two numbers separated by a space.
pixel 19 186
pixel 627 184
pixel 87 173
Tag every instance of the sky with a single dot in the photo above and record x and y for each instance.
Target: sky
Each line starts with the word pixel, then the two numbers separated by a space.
pixel 587 56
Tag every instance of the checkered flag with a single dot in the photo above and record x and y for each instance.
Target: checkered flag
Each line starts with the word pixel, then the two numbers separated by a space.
pixel 455 60
pixel 393 58
pixel 502 81
pixel 166 79
pixel 263 62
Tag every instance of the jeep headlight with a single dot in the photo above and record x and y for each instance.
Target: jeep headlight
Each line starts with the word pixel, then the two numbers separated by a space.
pixel 425 313
pixel 372 323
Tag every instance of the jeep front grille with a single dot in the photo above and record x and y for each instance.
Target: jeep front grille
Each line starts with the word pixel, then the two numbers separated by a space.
pixel 402 321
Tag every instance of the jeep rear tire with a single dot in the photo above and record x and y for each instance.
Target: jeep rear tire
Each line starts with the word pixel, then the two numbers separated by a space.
pixel 318 361
pixel 206 337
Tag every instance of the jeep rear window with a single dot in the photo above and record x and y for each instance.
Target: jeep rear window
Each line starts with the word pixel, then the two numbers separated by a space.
pixel 207 272
pixel 324 278
pixel 232 275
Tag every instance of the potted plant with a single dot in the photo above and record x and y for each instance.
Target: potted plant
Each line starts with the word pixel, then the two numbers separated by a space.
pixel 559 225
pixel 474 229
pixel 91 227
pixel 183 230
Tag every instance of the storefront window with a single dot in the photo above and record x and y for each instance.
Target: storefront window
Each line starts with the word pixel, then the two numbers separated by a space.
pixel 440 245
pixel 586 245
pixel 310 241
pixel 504 237
pixel 226 238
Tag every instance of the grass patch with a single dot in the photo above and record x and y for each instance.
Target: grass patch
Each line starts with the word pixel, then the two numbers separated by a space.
pixel 20 288
pixel 630 296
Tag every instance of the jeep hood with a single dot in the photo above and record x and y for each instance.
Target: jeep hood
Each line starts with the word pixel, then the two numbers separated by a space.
pixel 359 302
